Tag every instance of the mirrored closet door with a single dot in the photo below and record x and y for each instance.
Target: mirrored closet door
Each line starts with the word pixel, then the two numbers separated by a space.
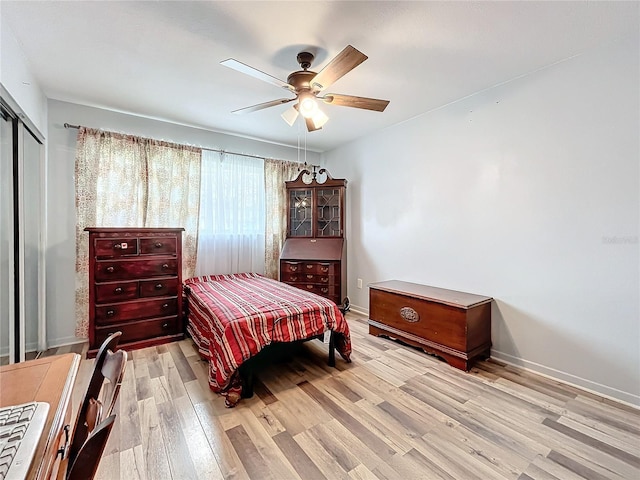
pixel 22 332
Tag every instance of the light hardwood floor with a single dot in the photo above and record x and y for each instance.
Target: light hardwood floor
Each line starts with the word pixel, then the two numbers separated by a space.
pixel 394 413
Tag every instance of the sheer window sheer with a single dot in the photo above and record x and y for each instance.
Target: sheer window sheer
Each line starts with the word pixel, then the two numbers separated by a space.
pixel 231 232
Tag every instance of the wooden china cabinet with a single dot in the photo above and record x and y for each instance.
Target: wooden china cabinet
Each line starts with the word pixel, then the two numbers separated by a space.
pixel 313 257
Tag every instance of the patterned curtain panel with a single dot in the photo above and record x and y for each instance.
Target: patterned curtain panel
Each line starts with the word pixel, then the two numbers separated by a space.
pixel 126 181
pixel 276 172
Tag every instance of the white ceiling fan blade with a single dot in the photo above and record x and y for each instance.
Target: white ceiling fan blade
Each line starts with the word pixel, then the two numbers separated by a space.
pixel 260 106
pixel 246 69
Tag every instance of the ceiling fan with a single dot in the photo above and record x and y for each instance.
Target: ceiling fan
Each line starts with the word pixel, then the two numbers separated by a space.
pixel 308 87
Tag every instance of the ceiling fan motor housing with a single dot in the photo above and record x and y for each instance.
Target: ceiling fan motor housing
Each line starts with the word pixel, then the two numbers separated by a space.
pixel 301 80
pixel 305 59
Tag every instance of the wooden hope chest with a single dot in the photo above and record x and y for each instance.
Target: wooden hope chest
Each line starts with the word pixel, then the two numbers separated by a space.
pixel 455 326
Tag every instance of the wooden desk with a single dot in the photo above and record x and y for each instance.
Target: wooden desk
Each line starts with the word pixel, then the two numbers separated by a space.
pixel 48 379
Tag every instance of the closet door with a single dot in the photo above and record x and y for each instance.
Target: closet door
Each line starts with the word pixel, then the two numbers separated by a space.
pixel 7 251
pixel 22 281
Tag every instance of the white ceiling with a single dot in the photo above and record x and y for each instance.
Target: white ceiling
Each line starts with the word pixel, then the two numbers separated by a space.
pixel 161 59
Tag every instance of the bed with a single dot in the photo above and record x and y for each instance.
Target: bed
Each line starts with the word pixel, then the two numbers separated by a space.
pixel 231 318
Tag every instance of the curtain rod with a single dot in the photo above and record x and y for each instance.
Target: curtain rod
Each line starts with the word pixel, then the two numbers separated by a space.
pixel 68 125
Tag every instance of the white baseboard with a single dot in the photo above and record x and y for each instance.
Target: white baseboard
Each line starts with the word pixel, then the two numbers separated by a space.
pixel 569 379
pixel 360 310
pixel 61 342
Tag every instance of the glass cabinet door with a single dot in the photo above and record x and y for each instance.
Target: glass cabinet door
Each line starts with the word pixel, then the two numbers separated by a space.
pixel 328 212
pixel 300 209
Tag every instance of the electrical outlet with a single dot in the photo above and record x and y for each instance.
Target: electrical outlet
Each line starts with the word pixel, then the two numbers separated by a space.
pixel 359 283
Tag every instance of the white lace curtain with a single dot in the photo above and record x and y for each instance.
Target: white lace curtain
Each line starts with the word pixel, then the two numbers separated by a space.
pixel 126 181
pixel 231 236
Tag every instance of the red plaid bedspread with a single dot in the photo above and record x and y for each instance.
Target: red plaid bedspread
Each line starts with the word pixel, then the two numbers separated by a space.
pixel 233 317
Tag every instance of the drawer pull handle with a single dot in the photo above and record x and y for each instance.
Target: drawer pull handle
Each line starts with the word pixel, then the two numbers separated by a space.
pixel 159 286
pixel 111 313
pixel 118 246
pixel 165 266
pixel 324 279
pixel 309 287
pixel 409 314
pixel 165 325
pixel 117 290
pixel 165 306
pixel 324 269
pixel 294 278
pixel 309 277
pixel 158 244
pixel 309 267
pixel 110 269
pixel 324 290
pixel 293 268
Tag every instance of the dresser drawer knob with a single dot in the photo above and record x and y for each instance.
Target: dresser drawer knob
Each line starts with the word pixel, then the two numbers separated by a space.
pixel 165 306
pixel 324 279
pixel 324 269
pixel 310 277
pixel 324 290
pixel 294 278
pixel 409 314
pixel 117 246
pixel 111 313
pixel 158 244
pixel 165 325
pixel 165 266
pixel 309 287
pixel 110 269
pixel 159 286
pixel 309 267
pixel 117 290
pixel 293 268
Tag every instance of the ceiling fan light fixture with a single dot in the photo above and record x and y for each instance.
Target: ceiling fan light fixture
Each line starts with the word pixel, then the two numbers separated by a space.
pixel 290 115
pixel 319 119
pixel 308 105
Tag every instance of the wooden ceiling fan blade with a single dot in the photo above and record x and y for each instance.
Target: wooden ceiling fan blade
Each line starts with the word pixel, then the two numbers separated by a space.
pixel 356 102
pixel 340 65
pixel 265 77
pixel 260 106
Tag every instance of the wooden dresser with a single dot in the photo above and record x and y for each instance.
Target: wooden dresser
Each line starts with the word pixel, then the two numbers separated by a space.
pixel 135 286
pixel 455 326
pixel 313 257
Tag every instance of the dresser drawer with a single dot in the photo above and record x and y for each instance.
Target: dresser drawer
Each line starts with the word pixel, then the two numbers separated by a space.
pixel 324 268
pixel 127 269
pixel 320 268
pixel 159 287
pixel 158 246
pixel 323 290
pixel 116 291
pixel 122 312
pixel 116 247
pixel 140 330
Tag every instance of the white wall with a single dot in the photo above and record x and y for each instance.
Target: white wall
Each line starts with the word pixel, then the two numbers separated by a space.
pixel 527 192
pixel 16 78
pixel 61 199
